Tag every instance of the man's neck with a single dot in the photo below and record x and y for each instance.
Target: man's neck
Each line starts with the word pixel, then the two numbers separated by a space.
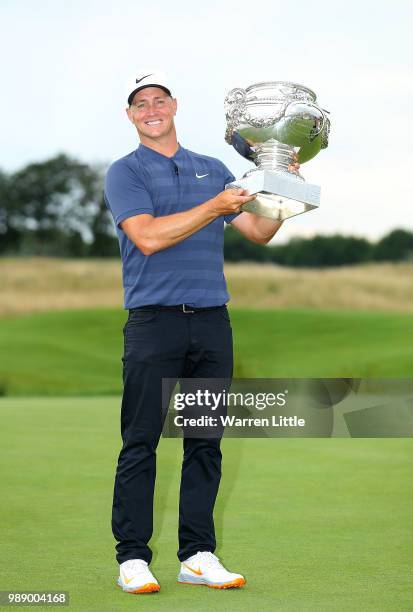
pixel 168 147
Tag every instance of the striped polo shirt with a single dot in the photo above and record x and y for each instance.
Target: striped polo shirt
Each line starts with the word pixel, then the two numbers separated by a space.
pixel 190 272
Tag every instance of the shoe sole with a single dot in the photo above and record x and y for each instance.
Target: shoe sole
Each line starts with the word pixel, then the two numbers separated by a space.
pixel 149 587
pixel 239 582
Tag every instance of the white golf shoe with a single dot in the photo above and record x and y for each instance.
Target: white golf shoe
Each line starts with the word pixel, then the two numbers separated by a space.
pixel 136 577
pixel 205 568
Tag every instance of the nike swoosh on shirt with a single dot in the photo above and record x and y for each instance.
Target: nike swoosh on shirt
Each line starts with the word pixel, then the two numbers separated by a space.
pixel 197 572
pixel 144 77
pixel 201 175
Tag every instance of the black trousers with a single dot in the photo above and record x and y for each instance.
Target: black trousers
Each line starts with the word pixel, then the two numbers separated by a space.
pixel 167 344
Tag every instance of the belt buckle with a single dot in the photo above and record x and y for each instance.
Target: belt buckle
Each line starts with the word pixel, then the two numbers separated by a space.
pixel 185 310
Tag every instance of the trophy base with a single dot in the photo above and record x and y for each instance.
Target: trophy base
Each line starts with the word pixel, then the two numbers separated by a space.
pixel 280 195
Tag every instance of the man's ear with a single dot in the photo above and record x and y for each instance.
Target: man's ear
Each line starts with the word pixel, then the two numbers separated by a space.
pixel 129 113
pixel 175 103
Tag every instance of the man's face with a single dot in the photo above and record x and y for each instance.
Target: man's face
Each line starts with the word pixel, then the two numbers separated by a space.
pixel 152 112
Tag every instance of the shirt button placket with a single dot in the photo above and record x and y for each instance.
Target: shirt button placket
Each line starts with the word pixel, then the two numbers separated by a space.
pixel 177 171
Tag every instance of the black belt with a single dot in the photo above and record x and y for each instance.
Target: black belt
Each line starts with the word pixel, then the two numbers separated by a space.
pixel 177 307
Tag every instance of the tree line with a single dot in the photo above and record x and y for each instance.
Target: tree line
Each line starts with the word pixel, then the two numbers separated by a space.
pixel 56 208
pixel 322 251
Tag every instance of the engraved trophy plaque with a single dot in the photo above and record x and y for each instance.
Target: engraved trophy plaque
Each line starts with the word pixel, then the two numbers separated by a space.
pixel 268 123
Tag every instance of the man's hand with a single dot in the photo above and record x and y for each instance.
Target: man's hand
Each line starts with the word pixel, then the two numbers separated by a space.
pixel 229 201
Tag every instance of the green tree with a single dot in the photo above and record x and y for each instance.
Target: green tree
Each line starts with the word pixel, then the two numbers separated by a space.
pixel 9 235
pixel 105 242
pixel 322 251
pixel 395 246
pixel 55 207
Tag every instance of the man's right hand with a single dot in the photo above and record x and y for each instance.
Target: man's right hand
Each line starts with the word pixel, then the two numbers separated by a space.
pixel 229 201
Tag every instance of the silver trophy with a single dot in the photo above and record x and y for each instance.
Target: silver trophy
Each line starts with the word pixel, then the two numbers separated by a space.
pixel 267 123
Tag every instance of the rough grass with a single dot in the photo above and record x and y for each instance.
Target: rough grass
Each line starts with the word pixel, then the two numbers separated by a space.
pixel 315 525
pixel 43 284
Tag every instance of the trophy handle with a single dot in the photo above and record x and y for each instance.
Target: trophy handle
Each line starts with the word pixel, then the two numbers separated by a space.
pixel 234 110
pixel 311 149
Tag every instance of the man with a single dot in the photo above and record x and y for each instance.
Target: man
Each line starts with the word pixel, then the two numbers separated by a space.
pixel 169 206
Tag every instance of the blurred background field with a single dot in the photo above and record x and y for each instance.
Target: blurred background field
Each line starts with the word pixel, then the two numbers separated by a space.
pixel 79 352
pixel 38 284
pixel 61 323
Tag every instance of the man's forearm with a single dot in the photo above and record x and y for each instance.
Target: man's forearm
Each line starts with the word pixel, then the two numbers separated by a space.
pixel 266 228
pixel 159 233
pixel 256 228
pixel 152 234
pixel 167 231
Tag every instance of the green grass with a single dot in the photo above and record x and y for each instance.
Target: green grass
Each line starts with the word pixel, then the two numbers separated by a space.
pixel 317 525
pixel 79 352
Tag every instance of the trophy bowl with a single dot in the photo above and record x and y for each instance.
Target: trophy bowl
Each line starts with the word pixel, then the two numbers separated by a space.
pixel 269 123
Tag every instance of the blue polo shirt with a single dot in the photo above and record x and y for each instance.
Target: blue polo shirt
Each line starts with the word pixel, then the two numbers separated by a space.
pixel 190 272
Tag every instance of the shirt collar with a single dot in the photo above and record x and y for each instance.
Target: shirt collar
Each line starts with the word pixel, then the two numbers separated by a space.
pixel 145 152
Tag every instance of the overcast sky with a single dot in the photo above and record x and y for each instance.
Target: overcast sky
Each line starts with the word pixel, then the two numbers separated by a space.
pixel 65 64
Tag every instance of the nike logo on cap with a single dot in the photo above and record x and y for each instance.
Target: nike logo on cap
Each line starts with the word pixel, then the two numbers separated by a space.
pixel 144 77
pixel 201 175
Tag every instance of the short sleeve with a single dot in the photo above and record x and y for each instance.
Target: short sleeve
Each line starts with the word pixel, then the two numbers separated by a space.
pixel 125 193
pixel 229 178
